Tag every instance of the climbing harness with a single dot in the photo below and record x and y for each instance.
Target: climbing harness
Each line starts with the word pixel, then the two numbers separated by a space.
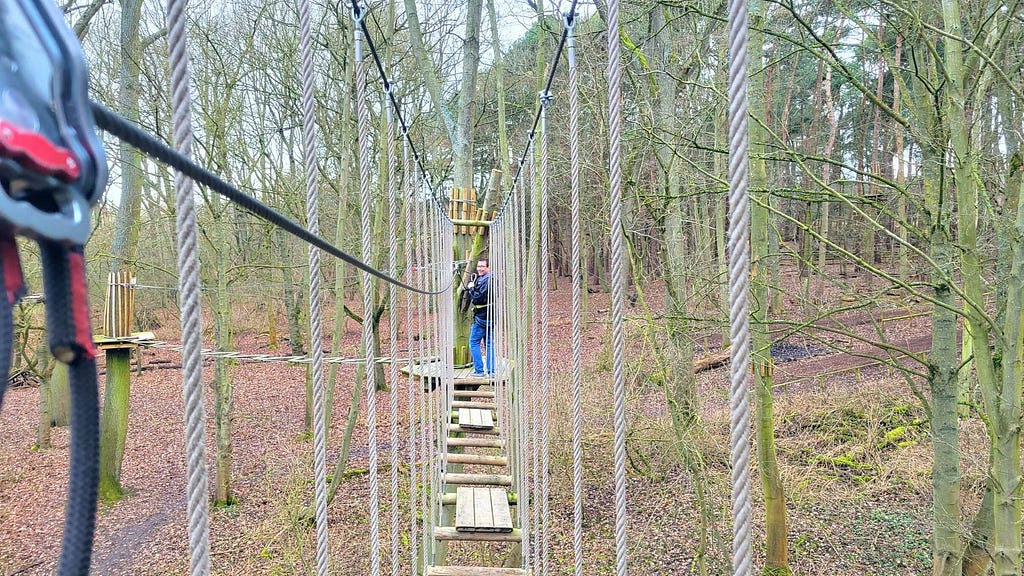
pixel 52 169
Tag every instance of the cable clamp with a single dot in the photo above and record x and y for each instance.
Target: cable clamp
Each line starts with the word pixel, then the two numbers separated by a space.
pixel 546 98
pixel 569 19
pixel 357 13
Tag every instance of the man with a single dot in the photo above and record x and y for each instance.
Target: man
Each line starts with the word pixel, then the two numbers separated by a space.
pixel 479 289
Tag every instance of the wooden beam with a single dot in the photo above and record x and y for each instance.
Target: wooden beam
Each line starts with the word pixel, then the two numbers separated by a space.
pixel 477 442
pixel 477 459
pixel 476 479
pixel 448 533
pixel 469 222
pixel 474 394
pixel 475 571
pixel 470 404
pixel 457 428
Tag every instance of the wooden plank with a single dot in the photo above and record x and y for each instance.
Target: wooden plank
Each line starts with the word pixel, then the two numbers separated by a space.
pixel 479 459
pixel 459 479
pixel 502 515
pixel 477 442
pixel 447 533
pixel 470 404
pixel 474 571
pixel 465 418
pixel 487 419
pixel 483 518
pixel 457 428
pixel 464 509
pixel 475 418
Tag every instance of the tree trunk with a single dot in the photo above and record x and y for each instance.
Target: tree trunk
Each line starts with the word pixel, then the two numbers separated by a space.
pixel 776 545
pixel 114 417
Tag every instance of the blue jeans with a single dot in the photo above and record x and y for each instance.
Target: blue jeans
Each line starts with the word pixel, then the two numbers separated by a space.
pixel 481 332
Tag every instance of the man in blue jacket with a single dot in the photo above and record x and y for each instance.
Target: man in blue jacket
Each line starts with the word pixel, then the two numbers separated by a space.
pixel 479 289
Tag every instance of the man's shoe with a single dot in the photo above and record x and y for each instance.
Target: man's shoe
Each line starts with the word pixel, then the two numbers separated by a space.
pixel 477 375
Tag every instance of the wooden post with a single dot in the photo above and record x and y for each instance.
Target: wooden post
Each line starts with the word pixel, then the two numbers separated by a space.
pixel 118 313
pixel 119 308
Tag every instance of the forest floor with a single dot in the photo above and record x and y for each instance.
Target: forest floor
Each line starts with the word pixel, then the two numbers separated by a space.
pixel 852 440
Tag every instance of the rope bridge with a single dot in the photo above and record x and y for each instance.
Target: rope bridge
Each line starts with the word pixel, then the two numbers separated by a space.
pixel 478 447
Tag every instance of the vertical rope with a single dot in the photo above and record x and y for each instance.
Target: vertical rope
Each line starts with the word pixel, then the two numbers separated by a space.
pixel 739 275
pixel 425 422
pixel 544 364
pixel 393 329
pixel 434 416
pixel 618 280
pixel 309 135
pixel 367 244
pixel 531 363
pixel 410 267
pixel 191 323
pixel 577 300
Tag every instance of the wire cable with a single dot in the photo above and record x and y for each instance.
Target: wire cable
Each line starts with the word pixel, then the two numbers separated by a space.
pixel 130 133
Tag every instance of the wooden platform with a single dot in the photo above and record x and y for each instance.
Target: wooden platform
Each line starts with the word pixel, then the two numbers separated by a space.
pixel 434 370
pixel 475 418
pixel 482 510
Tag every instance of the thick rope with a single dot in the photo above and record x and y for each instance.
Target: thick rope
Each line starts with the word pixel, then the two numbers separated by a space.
pixel 393 334
pixel 434 418
pixel 617 257
pixel 534 376
pixel 425 423
pixel 410 382
pixel 542 270
pixel 577 305
pixel 191 323
pixel 739 277
pixel 366 215
pixel 309 137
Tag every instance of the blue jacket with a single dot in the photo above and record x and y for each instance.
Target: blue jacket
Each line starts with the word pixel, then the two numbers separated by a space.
pixel 478 296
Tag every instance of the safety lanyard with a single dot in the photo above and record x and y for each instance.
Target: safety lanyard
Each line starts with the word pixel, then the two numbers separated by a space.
pixel 52 170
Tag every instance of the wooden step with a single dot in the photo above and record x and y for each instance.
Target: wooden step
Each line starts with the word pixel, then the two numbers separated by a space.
pixel 474 393
pixel 450 499
pixel 477 442
pixel 450 533
pixel 475 418
pixel 469 404
pixel 477 459
pixel 457 428
pixel 460 479
pixel 480 509
pixel 474 571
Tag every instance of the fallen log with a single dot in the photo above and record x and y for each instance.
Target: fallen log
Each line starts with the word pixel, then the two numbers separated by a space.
pixel 710 361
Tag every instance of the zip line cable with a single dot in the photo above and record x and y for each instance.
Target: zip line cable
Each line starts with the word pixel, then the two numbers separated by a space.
pixel 359 14
pixel 130 133
pixel 570 17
